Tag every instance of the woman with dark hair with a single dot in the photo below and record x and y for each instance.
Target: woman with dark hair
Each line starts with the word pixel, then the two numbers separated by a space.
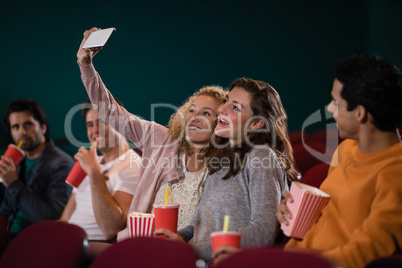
pixel 250 165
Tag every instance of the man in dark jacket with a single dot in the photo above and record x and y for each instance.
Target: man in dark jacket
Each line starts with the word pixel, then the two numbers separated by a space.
pixel 35 189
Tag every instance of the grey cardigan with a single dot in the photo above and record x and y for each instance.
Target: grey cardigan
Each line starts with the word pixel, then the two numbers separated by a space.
pixel 250 199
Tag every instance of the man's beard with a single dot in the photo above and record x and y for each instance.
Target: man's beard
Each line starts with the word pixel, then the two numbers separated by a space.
pixel 31 146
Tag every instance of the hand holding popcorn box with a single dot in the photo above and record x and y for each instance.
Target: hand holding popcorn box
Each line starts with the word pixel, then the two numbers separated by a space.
pixel 306 208
pixel 140 224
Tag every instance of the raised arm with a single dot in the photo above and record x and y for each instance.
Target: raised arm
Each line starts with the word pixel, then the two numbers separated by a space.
pixel 84 56
pixel 110 209
pixel 140 132
pixel 69 209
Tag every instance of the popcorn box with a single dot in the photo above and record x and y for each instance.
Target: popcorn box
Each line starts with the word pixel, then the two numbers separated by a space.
pixel 306 209
pixel 140 224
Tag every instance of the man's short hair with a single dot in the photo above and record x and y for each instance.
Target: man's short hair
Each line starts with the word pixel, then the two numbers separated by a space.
pixel 375 84
pixel 87 105
pixel 31 106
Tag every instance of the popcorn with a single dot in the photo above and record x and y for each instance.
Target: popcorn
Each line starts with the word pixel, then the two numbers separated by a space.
pixel 306 209
pixel 140 224
pixel 139 214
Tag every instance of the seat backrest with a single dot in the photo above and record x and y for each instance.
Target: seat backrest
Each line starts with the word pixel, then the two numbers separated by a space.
pixel 298 137
pixel 330 137
pixel 47 244
pixel 303 158
pixel 147 252
pixel 325 134
pixel 390 261
pixel 273 257
pixel 315 175
pixel 3 233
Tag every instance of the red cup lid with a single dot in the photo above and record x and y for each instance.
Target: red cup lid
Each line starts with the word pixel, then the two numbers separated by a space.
pixel 225 233
pixel 163 205
pixel 16 147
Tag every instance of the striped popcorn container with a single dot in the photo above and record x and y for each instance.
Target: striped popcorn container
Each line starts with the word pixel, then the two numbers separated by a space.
pixel 306 209
pixel 140 224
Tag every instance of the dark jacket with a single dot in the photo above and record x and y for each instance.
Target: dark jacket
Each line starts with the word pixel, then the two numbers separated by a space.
pixel 45 194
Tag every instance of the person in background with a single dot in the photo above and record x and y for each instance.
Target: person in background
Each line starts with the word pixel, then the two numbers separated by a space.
pixel 363 218
pixel 35 190
pixel 172 156
pixel 250 166
pixel 100 204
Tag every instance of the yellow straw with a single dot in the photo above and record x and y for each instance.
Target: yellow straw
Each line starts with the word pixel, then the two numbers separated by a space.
pixel 20 144
pixel 167 196
pixel 94 144
pixel 226 223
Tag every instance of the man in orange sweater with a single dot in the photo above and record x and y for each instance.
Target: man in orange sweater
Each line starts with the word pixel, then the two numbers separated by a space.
pixel 363 219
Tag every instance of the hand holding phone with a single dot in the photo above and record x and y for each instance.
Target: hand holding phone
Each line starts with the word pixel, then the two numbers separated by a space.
pixel 99 39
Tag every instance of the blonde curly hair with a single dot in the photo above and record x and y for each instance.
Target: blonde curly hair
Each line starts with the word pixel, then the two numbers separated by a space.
pixel 177 120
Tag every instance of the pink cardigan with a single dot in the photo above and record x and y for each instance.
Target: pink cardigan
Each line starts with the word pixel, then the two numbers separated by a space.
pixel 160 162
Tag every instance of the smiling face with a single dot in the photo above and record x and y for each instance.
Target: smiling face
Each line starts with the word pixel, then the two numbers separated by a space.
pixel 346 121
pixel 25 128
pixel 234 116
pixel 99 131
pixel 201 120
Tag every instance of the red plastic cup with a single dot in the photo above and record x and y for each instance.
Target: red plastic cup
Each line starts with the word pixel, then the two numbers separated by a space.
pixel 140 224
pixel 166 216
pixel 15 153
pixel 222 238
pixel 76 175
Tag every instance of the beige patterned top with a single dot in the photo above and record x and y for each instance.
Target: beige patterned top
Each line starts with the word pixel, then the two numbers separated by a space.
pixel 186 191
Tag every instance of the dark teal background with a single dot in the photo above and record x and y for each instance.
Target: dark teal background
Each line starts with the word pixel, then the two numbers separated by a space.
pixel 164 50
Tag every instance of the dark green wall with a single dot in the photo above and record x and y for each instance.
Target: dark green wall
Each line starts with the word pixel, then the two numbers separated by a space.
pixel 163 50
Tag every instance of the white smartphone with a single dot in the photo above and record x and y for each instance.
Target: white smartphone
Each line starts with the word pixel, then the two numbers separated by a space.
pixel 99 38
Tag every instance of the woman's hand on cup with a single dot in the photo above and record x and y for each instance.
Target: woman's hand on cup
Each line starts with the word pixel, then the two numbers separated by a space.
pixel 223 252
pixel 282 212
pixel 84 56
pixel 171 235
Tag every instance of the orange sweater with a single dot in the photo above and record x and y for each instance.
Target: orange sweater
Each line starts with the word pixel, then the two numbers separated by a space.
pixel 363 219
